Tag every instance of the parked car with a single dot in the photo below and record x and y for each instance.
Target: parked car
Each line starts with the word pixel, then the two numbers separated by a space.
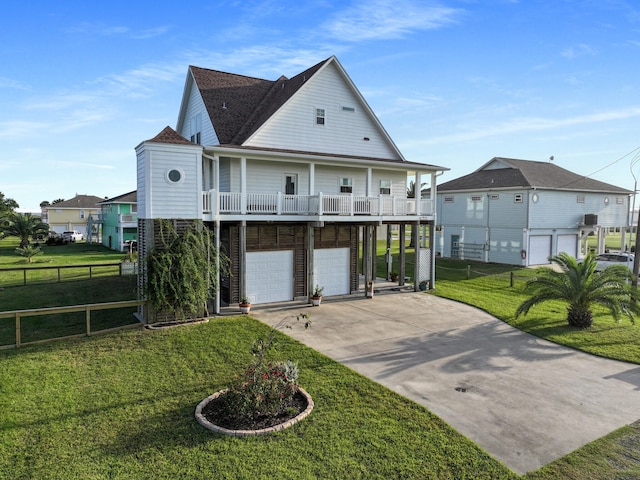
pixel 617 258
pixel 72 236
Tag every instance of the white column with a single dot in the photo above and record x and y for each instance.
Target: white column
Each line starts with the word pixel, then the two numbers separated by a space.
pixel 243 185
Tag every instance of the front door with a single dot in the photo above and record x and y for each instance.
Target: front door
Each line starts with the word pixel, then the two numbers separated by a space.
pixel 290 184
pixel 455 246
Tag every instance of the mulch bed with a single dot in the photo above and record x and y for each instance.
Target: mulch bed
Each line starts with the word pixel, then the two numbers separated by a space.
pixel 211 412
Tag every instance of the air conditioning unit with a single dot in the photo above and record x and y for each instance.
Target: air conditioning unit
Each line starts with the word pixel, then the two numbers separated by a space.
pixel 591 219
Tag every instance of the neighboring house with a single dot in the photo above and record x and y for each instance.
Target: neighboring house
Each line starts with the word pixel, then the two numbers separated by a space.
pixel 292 175
pixel 117 222
pixel 71 214
pixel 521 212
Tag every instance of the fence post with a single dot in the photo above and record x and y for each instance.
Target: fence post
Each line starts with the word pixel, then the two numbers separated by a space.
pixel 17 330
pixel 87 314
pixel 24 277
pixel 468 272
pixel 511 280
pixel 58 274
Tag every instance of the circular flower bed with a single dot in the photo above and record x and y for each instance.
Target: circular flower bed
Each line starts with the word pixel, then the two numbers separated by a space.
pixel 211 416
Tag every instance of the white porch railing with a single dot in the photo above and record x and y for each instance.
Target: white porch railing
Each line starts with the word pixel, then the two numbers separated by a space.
pixel 233 203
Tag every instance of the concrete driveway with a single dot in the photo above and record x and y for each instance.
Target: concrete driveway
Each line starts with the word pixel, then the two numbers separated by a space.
pixel 525 401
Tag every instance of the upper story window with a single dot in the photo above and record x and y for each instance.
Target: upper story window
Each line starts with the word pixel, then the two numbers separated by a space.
pixel 320 116
pixel 494 196
pixel 385 187
pixel 348 109
pixel 82 214
pixel 196 129
pixel 476 198
pixel 346 185
pixel 449 199
pixel 517 198
pixel 619 200
pixel 580 198
pixel 134 208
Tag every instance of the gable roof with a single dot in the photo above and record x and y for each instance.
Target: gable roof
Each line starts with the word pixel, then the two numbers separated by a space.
pixel 500 173
pixel 79 201
pixel 237 104
pixel 130 197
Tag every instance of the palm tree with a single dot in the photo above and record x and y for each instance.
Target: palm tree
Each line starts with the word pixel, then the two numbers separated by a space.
pixel 579 285
pixel 23 226
pixel 411 189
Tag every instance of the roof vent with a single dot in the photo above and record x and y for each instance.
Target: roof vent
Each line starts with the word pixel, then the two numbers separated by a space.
pixel 224 105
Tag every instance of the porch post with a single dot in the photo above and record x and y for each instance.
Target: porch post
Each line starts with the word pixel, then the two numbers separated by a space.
pixel 216 308
pixel 310 260
pixel 243 259
pixel 415 233
pixel 432 242
pixel 312 178
pixel 401 267
pixel 243 185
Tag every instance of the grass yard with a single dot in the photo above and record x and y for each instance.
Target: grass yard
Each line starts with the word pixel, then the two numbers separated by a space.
pixel 122 406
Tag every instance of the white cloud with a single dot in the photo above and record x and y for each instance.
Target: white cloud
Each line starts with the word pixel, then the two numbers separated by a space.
pixel 531 124
pixel 580 50
pixel 387 19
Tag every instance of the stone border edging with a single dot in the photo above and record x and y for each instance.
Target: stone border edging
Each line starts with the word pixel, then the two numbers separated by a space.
pixel 245 433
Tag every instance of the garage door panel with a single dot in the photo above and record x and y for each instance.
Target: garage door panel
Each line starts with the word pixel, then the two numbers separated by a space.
pixel 331 269
pixel 269 276
pixel 568 244
pixel 539 249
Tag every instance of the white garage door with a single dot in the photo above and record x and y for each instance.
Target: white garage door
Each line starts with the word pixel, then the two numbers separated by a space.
pixel 568 244
pixel 539 249
pixel 270 276
pixel 331 270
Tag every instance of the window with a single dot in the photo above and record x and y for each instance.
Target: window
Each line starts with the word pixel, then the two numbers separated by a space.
pixel 494 196
pixel 606 200
pixel 517 198
pixel 385 187
pixel 619 200
pixel 476 198
pixel 290 182
pixel 196 127
pixel 449 199
pixel 82 214
pixel 348 109
pixel 346 185
pixel 320 116
pixel 134 208
pixel 580 199
pixel 174 175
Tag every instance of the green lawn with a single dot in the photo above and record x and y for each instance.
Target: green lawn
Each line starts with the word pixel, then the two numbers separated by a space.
pixel 122 406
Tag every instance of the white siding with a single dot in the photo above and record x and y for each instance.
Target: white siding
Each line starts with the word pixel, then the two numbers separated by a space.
pixel 268 177
pixel 195 106
pixel 343 132
pixel 328 179
pixel 164 199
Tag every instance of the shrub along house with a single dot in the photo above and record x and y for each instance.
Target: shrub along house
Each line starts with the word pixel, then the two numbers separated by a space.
pixel 292 175
pixel 520 212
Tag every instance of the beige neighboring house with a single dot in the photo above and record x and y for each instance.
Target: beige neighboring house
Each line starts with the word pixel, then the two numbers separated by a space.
pixel 71 214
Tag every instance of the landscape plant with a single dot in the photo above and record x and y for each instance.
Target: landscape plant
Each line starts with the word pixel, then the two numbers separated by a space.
pixel 29 252
pixel 264 389
pixel 580 286
pixel 182 270
pixel 23 226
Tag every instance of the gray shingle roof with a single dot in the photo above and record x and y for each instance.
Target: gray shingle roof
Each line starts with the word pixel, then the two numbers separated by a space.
pixel 130 197
pixel 79 201
pixel 514 173
pixel 238 105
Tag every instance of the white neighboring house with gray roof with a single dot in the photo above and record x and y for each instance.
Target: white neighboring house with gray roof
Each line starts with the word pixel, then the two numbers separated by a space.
pixel 521 212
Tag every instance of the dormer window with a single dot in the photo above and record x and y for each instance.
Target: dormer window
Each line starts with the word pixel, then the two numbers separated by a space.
pixel 320 116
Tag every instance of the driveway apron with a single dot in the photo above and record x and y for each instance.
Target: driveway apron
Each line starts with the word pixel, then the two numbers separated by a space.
pixel 524 400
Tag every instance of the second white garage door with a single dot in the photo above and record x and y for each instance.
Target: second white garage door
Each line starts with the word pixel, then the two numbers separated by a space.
pixel 270 276
pixel 331 270
pixel 539 249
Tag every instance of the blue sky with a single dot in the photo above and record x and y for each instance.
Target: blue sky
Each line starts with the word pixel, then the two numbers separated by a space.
pixel 455 83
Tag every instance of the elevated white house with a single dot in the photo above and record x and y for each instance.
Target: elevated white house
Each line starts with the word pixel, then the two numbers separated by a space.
pixel 520 212
pixel 292 175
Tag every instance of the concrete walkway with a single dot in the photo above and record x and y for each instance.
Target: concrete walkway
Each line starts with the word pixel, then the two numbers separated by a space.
pixel 525 401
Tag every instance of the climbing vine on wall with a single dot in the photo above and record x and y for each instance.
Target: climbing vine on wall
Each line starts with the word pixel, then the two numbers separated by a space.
pixel 182 269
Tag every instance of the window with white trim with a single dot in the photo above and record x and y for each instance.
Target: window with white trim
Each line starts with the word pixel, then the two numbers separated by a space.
pixel 348 109
pixel 320 116
pixel 494 196
pixel 385 187
pixel 580 199
pixel 449 199
pixel 517 198
pixel 476 198
pixel 346 185
pixel 619 201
